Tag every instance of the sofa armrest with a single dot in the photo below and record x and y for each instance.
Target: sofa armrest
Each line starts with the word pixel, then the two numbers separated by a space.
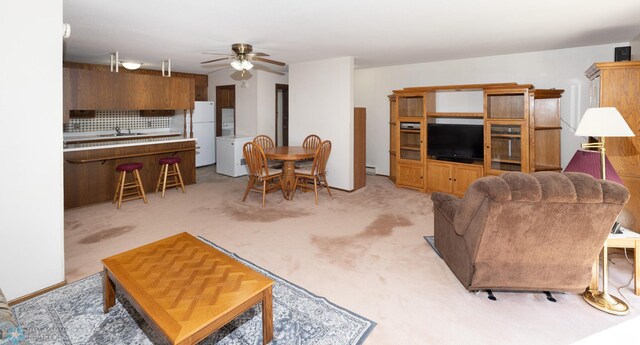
pixel 447 204
pixel 7 319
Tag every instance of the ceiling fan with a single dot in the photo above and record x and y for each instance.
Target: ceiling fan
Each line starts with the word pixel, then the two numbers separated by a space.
pixel 243 57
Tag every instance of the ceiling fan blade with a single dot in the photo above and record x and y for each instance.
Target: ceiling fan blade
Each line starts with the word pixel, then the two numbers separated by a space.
pixel 269 61
pixel 267 69
pixel 214 60
pixel 223 54
pixel 260 54
pixel 220 69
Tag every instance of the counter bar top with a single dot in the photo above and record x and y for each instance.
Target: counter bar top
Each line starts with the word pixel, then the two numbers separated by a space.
pixel 128 141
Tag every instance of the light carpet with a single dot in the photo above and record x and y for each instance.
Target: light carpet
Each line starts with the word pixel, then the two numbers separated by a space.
pixel 362 250
pixel 73 315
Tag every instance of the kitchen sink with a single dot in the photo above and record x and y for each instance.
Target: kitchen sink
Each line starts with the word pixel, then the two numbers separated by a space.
pixel 120 135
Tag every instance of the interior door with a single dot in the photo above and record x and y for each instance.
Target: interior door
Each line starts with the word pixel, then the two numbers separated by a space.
pixel 282 115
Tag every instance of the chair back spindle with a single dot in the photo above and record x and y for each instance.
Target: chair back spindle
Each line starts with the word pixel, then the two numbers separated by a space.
pixel 312 141
pixel 264 141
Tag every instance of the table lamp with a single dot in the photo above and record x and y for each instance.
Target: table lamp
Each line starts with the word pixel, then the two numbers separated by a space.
pixel 601 122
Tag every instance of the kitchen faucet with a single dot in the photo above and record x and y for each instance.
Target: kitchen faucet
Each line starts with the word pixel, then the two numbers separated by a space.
pixel 117 128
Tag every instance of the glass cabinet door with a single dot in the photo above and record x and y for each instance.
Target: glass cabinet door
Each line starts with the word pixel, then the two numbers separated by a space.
pixel 410 141
pixel 504 143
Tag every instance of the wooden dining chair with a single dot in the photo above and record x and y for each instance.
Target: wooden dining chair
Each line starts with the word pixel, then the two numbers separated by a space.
pixel 266 142
pixel 312 141
pixel 261 177
pixel 317 173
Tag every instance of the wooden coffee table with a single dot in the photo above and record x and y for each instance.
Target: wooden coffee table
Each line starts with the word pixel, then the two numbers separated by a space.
pixel 187 289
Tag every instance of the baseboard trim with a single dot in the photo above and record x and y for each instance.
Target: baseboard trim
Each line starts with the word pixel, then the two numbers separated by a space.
pixel 37 293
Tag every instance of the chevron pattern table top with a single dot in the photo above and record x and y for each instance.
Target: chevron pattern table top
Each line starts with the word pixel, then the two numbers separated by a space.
pixel 185 287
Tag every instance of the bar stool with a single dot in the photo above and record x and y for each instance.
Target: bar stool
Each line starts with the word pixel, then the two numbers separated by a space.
pixel 165 173
pixel 129 190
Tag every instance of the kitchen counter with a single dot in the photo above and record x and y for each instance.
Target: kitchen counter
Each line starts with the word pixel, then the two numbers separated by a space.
pixel 89 170
pixel 137 141
pixel 84 141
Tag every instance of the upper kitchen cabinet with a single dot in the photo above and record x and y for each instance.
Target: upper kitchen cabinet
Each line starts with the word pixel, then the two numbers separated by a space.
pixel 98 90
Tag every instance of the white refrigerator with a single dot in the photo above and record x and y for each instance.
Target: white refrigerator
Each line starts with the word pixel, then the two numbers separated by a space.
pixel 204 131
pixel 229 154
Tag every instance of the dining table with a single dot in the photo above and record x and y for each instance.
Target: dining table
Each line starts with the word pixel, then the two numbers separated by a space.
pixel 289 155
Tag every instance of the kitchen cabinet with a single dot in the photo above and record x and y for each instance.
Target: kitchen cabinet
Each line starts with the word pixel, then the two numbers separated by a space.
pixel 98 90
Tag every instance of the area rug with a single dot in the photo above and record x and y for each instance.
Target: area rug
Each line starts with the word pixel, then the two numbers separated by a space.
pixel 73 315
pixel 430 240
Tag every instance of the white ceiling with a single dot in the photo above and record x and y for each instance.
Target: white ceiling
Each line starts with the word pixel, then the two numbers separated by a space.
pixel 376 33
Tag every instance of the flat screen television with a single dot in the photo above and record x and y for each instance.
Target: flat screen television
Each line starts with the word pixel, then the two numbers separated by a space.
pixel 455 142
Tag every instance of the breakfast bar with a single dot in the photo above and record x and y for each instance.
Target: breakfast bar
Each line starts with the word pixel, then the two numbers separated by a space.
pixel 89 167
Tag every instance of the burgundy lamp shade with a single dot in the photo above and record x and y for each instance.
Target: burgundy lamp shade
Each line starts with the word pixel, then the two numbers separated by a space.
pixel 588 162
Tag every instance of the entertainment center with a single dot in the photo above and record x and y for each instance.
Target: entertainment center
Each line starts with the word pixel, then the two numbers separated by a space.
pixel 515 128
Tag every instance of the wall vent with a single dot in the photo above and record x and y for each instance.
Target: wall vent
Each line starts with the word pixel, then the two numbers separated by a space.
pixel 371 170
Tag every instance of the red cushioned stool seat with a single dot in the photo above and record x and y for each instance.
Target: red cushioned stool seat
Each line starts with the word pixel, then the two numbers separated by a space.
pixel 170 160
pixel 126 191
pixel 129 167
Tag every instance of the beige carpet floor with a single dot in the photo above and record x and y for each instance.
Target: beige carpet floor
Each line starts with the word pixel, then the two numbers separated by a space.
pixel 362 250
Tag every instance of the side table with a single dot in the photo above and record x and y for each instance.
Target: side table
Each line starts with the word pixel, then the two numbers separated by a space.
pixel 627 239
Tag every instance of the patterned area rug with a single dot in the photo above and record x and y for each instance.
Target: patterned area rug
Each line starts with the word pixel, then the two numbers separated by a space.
pixel 73 315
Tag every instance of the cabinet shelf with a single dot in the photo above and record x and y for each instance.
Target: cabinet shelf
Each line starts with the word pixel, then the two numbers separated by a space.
pixel 461 114
pixel 547 168
pixel 505 160
pixel 510 136
pixel 546 128
pixel 410 147
pixel 416 131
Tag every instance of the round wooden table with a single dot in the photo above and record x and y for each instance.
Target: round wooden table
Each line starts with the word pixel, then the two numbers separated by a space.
pixel 289 155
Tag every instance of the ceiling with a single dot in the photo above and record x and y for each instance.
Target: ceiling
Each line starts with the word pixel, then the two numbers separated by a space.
pixel 376 33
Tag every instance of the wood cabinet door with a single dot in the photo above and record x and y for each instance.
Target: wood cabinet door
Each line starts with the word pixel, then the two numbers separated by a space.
pixel 439 177
pixel 463 177
pixel 410 176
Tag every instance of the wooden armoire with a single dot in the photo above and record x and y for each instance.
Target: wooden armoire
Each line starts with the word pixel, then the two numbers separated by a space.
pixel 617 84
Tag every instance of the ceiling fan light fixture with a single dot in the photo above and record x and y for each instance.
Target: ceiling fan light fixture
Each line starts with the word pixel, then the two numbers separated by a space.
pixel 131 65
pixel 246 65
pixel 237 65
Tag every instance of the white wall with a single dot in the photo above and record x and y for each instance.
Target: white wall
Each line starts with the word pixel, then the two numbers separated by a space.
pixel 255 99
pixel 561 69
pixel 635 48
pixel 246 98
pixel 32 254
pixel 321 102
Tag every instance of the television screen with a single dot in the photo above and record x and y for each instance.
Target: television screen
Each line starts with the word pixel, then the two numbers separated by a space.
pixel 454 142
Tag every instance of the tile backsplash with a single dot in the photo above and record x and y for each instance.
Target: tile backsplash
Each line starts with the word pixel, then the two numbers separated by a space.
pixel 107 120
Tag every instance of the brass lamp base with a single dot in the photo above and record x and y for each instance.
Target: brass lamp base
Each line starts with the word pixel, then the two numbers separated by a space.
pixel 605 302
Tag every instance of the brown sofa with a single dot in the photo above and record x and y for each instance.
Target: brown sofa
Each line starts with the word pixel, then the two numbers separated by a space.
pixel 528 232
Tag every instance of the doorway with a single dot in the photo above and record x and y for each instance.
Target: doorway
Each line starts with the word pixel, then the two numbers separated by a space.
pixel 225 110
pixel 282 115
